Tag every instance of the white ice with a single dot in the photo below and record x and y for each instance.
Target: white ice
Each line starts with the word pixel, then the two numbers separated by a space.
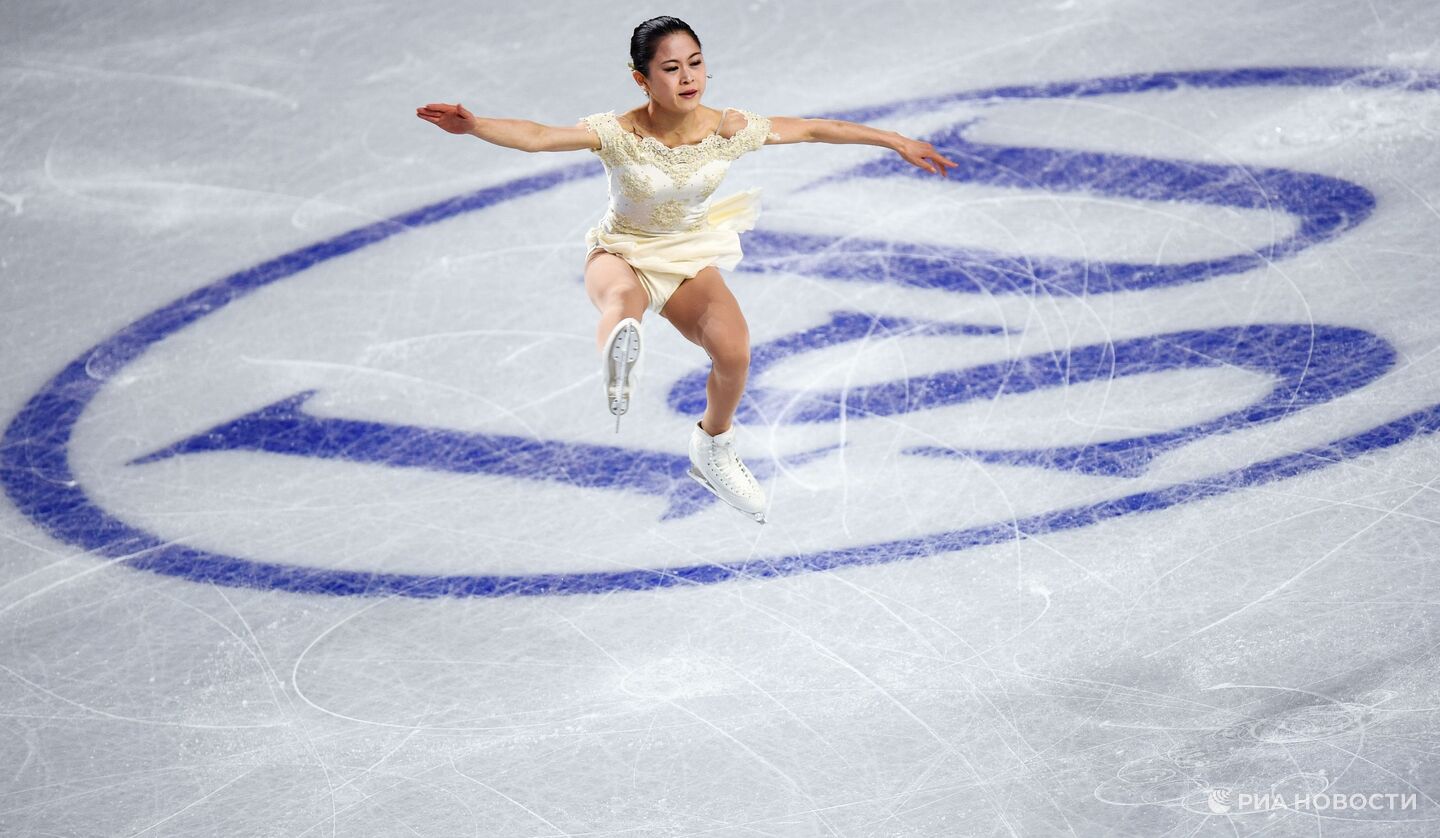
pixel 1173 671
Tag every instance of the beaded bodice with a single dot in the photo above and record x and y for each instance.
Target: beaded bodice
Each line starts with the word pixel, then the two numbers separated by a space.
pixel 655 189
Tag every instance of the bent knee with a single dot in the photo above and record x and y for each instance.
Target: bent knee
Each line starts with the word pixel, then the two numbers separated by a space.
pixel 617 286
pixel 624 295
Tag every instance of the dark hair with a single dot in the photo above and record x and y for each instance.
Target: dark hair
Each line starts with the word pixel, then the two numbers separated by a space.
pixel 649 34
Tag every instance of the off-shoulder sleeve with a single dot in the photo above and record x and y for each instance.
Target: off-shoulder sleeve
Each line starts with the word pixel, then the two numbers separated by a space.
pixel 607 129
pixel 752 136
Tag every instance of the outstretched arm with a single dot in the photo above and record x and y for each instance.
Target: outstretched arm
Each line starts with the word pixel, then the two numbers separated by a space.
pixel 511 133
pixel 790 129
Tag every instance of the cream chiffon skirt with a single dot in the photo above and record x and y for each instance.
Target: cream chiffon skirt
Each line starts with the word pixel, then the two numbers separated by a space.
pixel 662 262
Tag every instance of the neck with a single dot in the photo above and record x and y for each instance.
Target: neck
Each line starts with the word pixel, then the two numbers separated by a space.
pixel 671 124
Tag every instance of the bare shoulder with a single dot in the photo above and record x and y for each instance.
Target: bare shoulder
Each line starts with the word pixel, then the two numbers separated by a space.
pixel 733 122
pixel 627 120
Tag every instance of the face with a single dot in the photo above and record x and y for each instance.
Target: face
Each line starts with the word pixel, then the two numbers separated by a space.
pixel 677 68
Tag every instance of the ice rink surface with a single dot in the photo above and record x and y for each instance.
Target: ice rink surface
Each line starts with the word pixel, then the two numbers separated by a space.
pixel 1101 473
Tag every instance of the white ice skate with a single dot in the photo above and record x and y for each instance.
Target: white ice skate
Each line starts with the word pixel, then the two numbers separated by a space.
pixel 715 465
pixel 620 366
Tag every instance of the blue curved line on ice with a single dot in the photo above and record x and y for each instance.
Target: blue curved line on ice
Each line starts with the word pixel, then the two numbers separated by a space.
pixel 1324 207
pixel 145 552
pixel 1310 365
pixel 36 474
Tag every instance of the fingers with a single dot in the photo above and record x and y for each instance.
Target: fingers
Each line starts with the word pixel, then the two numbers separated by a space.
pixel 434 112
pixel 926 157
pixel 938 162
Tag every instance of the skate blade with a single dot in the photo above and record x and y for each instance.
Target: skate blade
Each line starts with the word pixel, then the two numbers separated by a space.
pixel 624 349
pixel 758 517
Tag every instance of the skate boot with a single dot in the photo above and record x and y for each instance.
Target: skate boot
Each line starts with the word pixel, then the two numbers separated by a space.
pixel 620 366
pixel 715 465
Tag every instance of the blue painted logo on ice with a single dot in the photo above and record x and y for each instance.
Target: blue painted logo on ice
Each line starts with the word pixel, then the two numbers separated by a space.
pixel 1308 364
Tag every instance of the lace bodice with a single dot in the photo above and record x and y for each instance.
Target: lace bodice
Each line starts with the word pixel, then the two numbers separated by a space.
pixel 655 189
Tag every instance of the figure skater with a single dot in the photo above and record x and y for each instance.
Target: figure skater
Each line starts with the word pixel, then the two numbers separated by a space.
pixel 662 241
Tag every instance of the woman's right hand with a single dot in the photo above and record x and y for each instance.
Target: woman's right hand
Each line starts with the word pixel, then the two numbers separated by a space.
pixel 453 118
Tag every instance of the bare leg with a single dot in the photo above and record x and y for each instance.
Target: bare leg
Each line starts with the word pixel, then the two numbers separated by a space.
pixel 706 313
pixel 615 290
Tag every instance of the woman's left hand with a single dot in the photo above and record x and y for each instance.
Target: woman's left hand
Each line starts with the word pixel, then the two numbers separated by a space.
pixel 925 156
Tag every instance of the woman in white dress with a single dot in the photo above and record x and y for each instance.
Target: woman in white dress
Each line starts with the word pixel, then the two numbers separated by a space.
pixel 662 241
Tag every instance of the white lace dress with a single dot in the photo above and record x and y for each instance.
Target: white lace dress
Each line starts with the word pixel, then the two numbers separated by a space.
pixel 661 218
